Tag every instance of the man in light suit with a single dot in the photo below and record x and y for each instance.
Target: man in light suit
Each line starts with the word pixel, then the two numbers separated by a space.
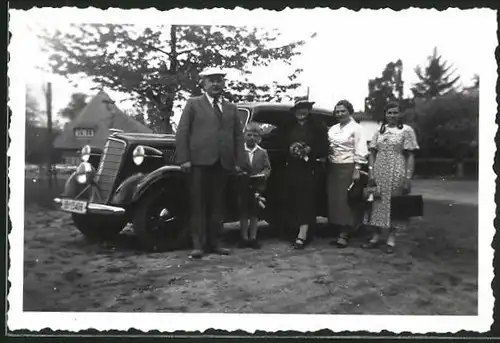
pixel 209 146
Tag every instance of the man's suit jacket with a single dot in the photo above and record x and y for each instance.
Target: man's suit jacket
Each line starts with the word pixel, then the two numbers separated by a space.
pixel 203 138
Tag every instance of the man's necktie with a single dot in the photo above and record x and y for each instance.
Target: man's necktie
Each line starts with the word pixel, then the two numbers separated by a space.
pixel 217 110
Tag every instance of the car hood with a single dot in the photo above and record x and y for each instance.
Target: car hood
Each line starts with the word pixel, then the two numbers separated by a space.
pixel 147 138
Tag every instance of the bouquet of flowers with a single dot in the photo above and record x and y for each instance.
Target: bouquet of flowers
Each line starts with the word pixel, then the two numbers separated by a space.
pixel 261 201
pixel 300 150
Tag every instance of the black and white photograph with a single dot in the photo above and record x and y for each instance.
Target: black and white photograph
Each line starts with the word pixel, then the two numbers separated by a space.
pixel 300 170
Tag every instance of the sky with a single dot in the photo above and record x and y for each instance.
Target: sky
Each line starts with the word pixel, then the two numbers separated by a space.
pixel 350 47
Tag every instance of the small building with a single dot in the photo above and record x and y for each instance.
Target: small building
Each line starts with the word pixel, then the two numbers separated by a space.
pixel 92 126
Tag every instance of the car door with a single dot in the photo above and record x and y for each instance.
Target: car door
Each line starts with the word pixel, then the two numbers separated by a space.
pixel 274 126
pixel 233 185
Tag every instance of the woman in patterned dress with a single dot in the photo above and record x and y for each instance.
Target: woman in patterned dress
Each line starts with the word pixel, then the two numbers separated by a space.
pixel 391 163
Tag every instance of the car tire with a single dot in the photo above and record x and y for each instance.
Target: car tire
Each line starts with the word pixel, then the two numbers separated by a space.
pixel 98 228
pixel 158 222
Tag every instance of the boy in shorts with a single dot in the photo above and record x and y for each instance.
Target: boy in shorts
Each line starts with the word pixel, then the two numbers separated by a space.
pixel 253 183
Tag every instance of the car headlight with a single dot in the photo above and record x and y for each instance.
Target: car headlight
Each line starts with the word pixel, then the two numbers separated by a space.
pixel 138 155
pixel 85 153
pixel 84 173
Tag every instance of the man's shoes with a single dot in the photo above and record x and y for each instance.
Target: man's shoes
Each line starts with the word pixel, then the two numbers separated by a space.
pixel 254 244
pixel 341 242
pixel 196 254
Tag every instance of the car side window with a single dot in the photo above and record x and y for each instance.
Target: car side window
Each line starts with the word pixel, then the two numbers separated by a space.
pixel 273 125
pixel 243 114
pixel 266 129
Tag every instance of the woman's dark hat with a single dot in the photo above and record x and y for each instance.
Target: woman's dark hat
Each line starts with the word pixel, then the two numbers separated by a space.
pixel 302 103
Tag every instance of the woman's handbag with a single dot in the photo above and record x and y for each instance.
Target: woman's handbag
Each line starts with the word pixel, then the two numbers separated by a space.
pixel 371 192
pixel 356 190
pixel 406 206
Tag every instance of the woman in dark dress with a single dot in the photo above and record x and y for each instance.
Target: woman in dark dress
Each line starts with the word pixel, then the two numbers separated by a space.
pixel 307 142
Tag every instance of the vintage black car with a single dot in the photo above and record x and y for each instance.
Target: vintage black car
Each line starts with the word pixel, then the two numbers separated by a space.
pixel 135 179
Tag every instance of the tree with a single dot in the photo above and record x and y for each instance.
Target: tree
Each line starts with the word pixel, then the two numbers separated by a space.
pixel 75 106
pixel 32 121
pixel 139 116
pixel 157 69
pixel 447 127
pixel 475 79
pixel 33 112
pixel 474 88
pixel 388 87
pixel 436 78
pixel 36 149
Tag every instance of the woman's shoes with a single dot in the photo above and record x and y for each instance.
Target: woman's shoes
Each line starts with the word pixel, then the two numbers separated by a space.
pixel 389 249
pixel 370 245
pixel 299 244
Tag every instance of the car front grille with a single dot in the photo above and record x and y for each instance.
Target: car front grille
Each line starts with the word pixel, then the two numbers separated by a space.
pixel 169 155
pixel 108 169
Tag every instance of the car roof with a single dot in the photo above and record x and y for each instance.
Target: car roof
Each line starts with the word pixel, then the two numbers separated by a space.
pixel 276 106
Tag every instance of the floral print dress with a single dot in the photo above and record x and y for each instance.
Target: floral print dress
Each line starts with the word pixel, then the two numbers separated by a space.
pixel 389 171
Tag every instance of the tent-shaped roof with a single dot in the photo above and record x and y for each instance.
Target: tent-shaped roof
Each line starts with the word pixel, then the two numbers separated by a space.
pixel 100 115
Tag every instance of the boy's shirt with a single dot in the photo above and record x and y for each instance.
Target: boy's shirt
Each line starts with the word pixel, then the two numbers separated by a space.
pixel 258 160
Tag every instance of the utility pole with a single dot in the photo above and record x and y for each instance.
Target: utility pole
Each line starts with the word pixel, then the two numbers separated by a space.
pixel 48 99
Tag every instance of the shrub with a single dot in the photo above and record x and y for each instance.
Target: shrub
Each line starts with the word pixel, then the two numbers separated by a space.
pixel 447 126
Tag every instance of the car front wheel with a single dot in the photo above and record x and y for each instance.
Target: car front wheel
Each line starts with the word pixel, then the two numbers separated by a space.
pixel 158 222
pixel 98 228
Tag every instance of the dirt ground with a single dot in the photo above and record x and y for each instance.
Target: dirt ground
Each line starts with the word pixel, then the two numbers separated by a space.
pixel 434 271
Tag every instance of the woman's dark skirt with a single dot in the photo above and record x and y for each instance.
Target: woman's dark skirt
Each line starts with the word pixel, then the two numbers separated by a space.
pixel 300 191
pixel 338 181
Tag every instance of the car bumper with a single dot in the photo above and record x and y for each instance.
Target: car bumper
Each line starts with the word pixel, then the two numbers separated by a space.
pixel 94 208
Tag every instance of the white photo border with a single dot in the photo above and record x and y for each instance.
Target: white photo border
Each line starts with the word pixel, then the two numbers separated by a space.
pixel 17 319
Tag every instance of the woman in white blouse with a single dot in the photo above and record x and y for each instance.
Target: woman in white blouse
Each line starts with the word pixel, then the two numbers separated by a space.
pixel 348 151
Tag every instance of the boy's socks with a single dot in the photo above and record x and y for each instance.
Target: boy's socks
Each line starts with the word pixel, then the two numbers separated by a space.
pixel 253 228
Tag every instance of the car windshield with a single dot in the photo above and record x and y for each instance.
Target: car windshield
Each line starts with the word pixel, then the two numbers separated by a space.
pixel 284 119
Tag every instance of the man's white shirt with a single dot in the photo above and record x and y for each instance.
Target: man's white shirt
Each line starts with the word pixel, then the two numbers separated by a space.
pixel 211 101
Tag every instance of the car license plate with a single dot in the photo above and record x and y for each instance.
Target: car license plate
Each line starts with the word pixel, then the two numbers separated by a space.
pixel 75 206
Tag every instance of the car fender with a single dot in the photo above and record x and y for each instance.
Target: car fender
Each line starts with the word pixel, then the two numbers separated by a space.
pixel 153 178
pixel 72 188
pixel 126 190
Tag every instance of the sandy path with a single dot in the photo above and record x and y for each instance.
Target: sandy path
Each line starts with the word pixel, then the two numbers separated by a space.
pixel 451 191
pixel 433 272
